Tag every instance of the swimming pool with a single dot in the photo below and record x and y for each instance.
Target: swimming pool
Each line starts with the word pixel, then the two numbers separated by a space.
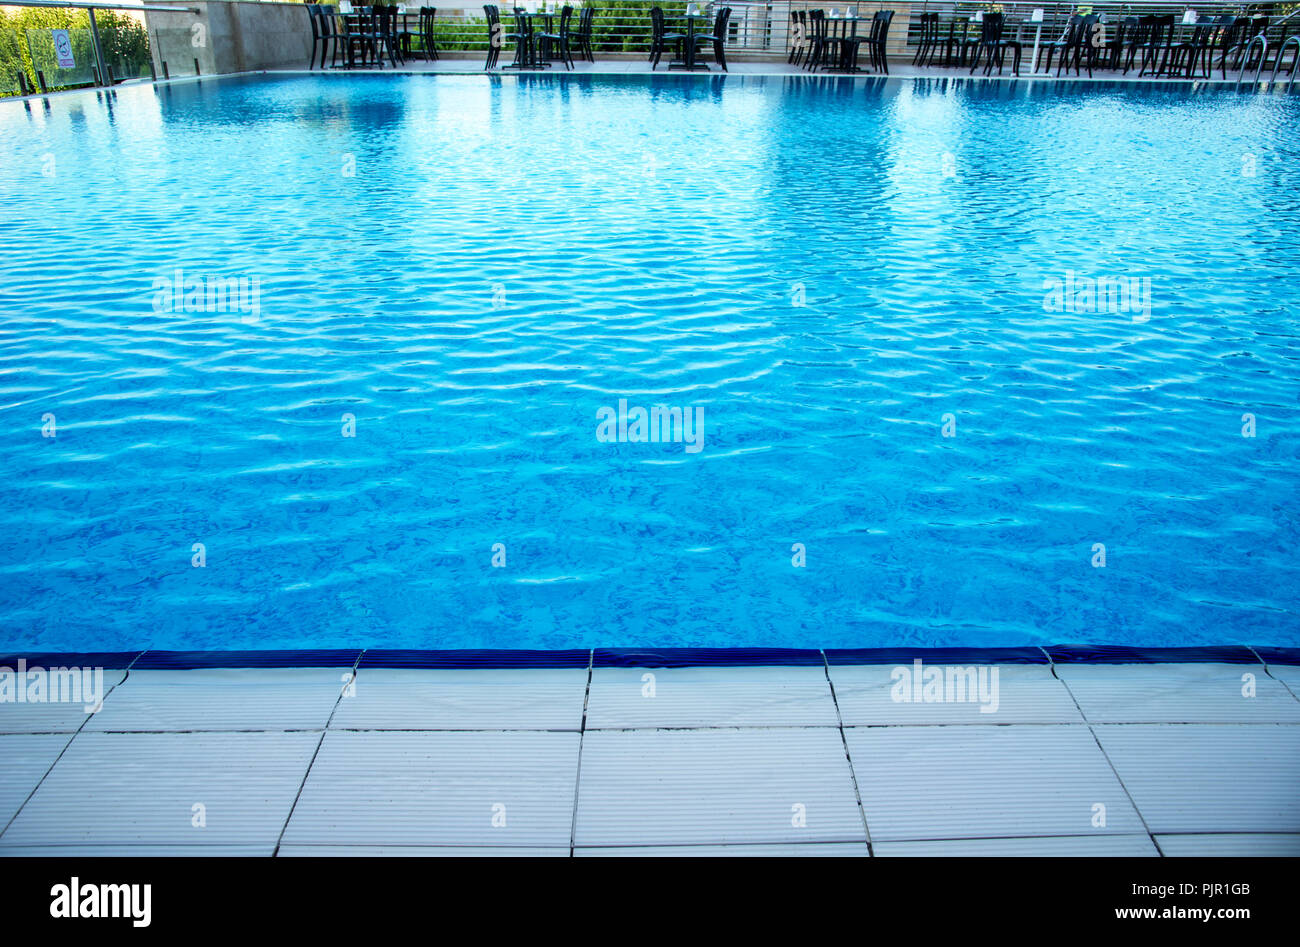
pixel 875 295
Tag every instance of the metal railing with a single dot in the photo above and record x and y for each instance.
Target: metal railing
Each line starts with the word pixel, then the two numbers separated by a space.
pixel 41 57
pixel 905 31
pixel 622 27
pixel 619 27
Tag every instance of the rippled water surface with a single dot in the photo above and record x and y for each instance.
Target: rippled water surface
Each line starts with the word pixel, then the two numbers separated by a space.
pixel 472 268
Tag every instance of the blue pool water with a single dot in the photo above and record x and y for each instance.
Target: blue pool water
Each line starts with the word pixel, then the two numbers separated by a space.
pixel 474 267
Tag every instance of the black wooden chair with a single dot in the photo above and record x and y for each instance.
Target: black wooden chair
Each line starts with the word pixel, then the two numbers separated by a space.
pixel 826 49
pixel 558 43
pixel 317 39
pixel 359 39
pixel 525 46
pixel 1185 54
pixel 801 40
pixel 1075 43
pixel 929 40
pixel 718 37
pixel 496 35
pixel 661 38
pixel 1112 53
pixel 959 42
pixel 429 42
pixel 875 42
pixel 580 38
pixel 994 46
pixel 1155 49
pixel 324 33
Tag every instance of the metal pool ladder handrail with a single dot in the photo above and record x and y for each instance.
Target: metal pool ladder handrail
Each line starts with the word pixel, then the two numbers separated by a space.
pixel 1295 63
pixel 1263 54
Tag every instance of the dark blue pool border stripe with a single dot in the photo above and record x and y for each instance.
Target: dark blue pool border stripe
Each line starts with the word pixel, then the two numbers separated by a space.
pixel 705 657
pixel 108 660
pixel 475 658
pixel 296 658
pixel 846 656
pixel 1112 654
pixel 1279 655
pixel 645 657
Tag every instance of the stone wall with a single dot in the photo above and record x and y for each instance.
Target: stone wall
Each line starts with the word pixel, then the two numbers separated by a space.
pixel 229 37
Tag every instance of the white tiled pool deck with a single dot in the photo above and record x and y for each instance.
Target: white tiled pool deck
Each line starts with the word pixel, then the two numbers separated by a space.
pixel 599 760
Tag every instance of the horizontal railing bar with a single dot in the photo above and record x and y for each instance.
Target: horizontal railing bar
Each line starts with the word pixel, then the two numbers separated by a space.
pixel 64 4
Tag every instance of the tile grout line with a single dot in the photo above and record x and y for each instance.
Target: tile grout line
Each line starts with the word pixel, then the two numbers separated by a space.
pixel 312 762
pixel 853 775
pixel 126 673
pixel 1104 755
pixel 582 732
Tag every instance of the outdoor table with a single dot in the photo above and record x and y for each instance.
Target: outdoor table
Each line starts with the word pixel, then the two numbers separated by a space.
pixel 689 62
pixel 848 60
pixel 349 20
pixel 529 56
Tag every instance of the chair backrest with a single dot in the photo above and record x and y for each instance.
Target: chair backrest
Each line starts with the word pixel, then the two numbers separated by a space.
pixel 1235 34
pixel 523 24
pixel 566 14
pixel 991 28
pixel 930 26
pixel 880 25
pixel 316 20
pixel 818 20
pixel 656 24
pixel 1162 29
pixel 1071 29
pixel 1087 27
pixel 720 23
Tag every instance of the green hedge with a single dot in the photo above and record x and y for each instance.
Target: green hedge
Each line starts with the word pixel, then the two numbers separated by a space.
pixel 123 39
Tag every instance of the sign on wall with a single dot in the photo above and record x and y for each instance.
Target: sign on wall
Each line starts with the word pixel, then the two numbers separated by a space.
pixel 63 49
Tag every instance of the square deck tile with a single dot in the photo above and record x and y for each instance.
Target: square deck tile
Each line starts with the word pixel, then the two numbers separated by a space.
pixel 1209 778
pixel 979 782
pixel 672 787
pixel 1242 845
pixel 64 716
pixel 439 788
pixel 1179 693
pixel 1288 675
pixel 402 699
pixel 1042 846
pixel 873 694
pixel 222 699
pixel 27 758
pixel 710 697
pixel 810 850
pixel 141 789
pixel 417 851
